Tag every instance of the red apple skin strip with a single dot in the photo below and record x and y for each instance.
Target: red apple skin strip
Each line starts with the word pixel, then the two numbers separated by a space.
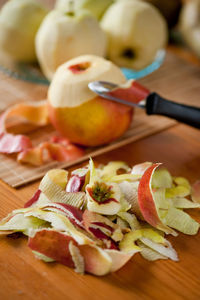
pixel 147 203
pixel 54 245
pixel 195 194
pixel 13 144
pixel 95 262
pixel 75 184
pixel 33 200
pixel 74 214
pixel 90 219
pixel 36 113
pixel 48 151
pixel 133 92
pixel 119 258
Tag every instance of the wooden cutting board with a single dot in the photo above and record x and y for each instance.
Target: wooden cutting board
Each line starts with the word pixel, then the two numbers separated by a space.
pixel 176 80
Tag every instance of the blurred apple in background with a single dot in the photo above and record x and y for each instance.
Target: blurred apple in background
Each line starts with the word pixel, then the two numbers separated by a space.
pixel 64 35
pixel 19 22
pixel 190 24
pixel 96 7
pixel 136 30
pixel 79 114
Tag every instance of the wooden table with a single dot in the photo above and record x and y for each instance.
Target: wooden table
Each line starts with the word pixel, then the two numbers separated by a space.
pixel 24 277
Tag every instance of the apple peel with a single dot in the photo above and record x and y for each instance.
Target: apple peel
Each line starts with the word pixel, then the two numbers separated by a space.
pixel 195 194
pixel 148 253
pixel 35 113
pixel 93 220
pixel 147 202
pixel 48 151
pixel 119 258
pixel 55 190
pixel 127 244
pixel 112 168
pixel 162 179
pixel 184 203
pixel 139 169
pixel 181 221
pixel 130 219
pixel 131 91
pixel 19 222
pixel 165 249
pixel 130 192
pixel 102 242
pixel 53 244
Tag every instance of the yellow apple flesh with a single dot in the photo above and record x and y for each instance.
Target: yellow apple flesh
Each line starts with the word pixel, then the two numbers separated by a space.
pixel 63 36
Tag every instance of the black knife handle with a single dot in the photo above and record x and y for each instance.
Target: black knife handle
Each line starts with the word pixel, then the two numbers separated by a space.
pixel 156 105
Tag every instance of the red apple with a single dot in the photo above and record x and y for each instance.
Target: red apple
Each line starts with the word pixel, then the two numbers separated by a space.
pixel 78 113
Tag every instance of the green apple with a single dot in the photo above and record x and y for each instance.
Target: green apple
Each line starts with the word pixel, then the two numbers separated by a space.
pixel 190 25
pixel 65 35
pixel 96 7
pixel 19 22
pixel 136 31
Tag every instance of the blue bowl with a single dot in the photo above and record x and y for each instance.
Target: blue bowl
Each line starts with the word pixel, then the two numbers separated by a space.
pixel 32 73
pixel 131 74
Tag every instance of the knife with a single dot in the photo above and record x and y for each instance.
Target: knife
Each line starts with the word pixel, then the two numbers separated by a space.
pixel 133 94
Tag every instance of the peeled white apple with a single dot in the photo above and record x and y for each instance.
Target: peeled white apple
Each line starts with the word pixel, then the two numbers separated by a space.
pixel 63 36
pixel 19 22
pixel 190 24
pixel 79 114
pixel 96 7
pixel 69 87
pixel 136 31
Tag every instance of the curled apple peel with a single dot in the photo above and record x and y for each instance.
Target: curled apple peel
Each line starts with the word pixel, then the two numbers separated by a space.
pixel 35 113
pixel 147 203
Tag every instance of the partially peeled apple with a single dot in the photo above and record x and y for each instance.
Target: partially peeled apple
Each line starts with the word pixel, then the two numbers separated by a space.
pixel 136 30
pixel 65 35
pixel 79 114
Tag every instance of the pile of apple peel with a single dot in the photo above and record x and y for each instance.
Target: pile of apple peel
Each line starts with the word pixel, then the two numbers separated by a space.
pixel 96 218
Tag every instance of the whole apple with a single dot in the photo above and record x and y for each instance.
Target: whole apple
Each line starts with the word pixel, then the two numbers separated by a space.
pixel 64 35
pixel 79 114
pixel 19 22
pixel 96 7
pixel 136 31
